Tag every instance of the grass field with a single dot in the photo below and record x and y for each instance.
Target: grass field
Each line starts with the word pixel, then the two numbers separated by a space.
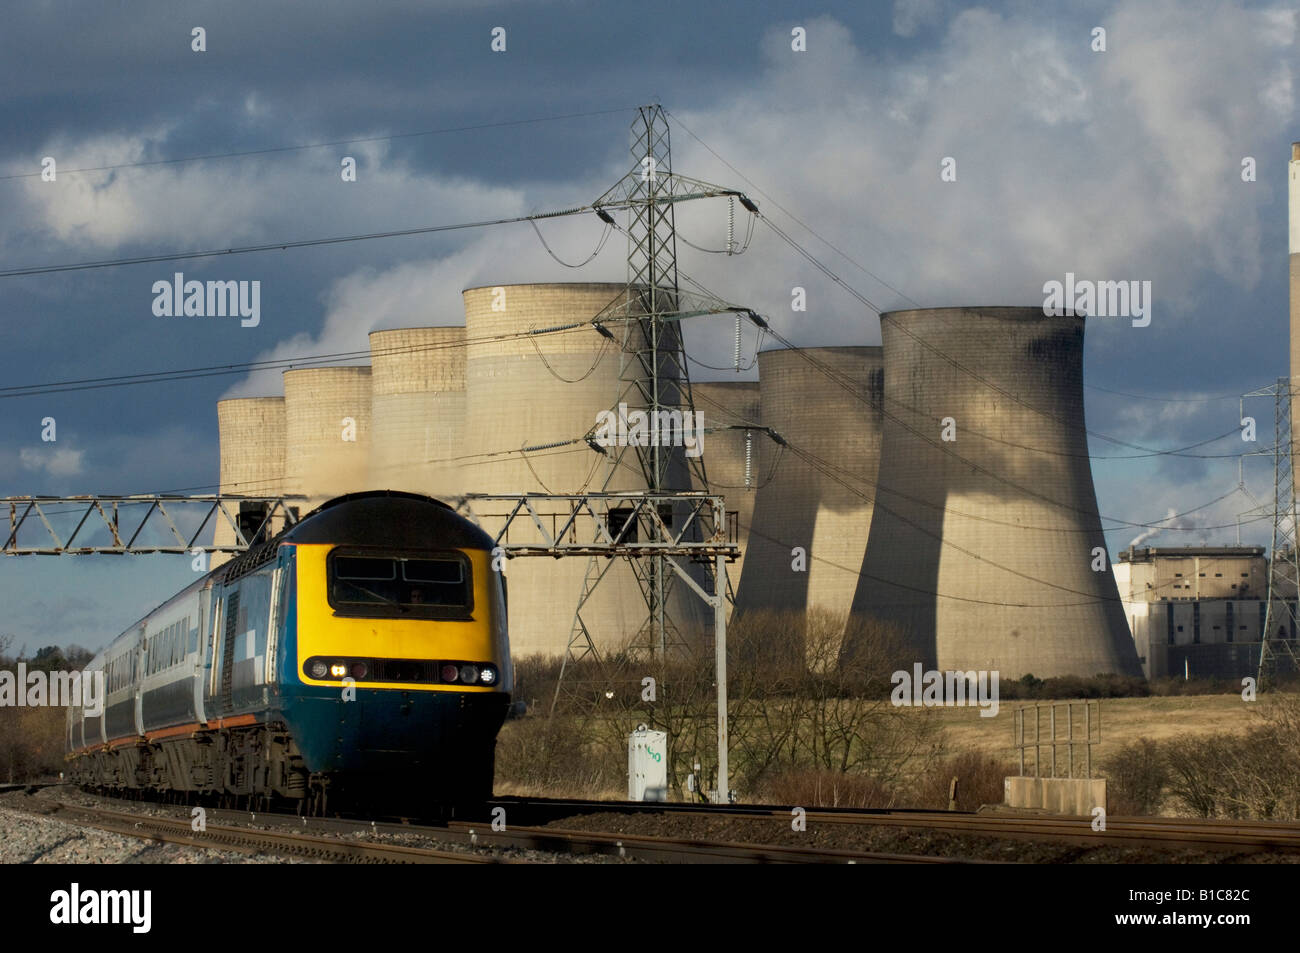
pixel 1123 720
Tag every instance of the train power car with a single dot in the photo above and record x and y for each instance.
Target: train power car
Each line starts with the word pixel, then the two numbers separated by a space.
pixel 359 657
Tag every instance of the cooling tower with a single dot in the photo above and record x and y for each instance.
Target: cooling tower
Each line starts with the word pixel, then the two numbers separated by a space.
pixel 251 435
pixel 418 394
pixel 327 431
pixel 824 402
pixel 531 391
pixel 981 549
pixel 727 452
pixel 1293 246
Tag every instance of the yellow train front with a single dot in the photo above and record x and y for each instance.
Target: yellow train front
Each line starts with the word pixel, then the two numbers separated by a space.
pixel 394 675
pixel 360 657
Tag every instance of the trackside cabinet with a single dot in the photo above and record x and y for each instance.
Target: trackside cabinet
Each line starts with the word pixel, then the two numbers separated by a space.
pixel 647 765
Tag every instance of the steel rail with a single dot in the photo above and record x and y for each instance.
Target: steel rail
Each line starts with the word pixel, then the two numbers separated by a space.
pixel 247 840
pixel 1205 833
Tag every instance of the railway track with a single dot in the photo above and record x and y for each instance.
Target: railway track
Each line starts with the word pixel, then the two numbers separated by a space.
pixel 681 850
pixel 552 840
pixel 250 840
pixel 526 816
pixel 1203 834
pixel 324 839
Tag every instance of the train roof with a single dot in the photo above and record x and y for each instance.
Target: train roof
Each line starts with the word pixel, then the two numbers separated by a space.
pixel 372 518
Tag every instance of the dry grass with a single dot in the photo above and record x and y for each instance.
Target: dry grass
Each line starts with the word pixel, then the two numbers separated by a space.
pixel 826 789
pixel 1123 721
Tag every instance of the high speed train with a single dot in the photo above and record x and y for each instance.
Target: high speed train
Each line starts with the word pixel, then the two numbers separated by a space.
pixel 360 656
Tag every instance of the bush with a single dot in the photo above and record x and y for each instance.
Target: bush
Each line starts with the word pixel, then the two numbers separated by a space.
pixel 1255 775
pixel 32 739
pixel 980 780
pixel 1074 686
pixel 824 789
pixel 1136 776
pixel 557 757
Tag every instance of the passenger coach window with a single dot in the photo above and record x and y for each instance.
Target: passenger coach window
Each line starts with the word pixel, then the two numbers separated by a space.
pixel 427 586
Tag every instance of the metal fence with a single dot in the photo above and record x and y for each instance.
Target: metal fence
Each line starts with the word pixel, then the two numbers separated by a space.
pixel 1088 716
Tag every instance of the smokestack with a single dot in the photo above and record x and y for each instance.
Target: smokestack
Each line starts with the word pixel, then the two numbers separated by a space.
pixel 1293 215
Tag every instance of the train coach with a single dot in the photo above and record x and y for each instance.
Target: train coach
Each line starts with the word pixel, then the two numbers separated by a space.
pixel 359 657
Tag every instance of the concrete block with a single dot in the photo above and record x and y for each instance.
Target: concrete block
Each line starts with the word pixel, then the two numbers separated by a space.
pixel 1072 796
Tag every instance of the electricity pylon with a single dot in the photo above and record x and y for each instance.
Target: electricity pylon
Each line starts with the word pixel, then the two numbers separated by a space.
pixel 653 372
pixel 1277 646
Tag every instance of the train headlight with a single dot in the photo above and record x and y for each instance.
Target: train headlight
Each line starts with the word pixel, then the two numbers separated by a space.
pixel 319 669
pixel 450 673
pixel 338 671
pixel 360 670
pixel 488 675
pixel 469 674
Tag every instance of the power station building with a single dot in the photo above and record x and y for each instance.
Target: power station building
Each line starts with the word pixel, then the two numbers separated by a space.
pixel 1199 611
pixel 986 551
pixel 939 483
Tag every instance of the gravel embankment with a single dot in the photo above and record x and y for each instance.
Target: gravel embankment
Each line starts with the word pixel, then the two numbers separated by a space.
pixel 904 840
pixel 32 839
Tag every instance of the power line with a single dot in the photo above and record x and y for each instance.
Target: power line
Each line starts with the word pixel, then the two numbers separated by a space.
pixel 1090 600
pixel 1146 451
pixel 281 246
pixel 839 251
pixel 321 145
pixel 281 364
pixel 1168 400
pixel 790 214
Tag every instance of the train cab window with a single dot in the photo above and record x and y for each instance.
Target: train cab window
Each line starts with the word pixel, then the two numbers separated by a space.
pixel 423 586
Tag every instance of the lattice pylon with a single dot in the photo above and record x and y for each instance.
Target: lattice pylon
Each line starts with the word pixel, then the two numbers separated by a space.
pixel 1277 647
pixel 653 375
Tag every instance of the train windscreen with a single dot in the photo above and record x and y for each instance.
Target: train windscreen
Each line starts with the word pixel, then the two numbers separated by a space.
pixel 423 585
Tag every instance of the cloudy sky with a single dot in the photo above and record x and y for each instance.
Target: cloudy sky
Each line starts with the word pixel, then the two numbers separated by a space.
pixel 1122 164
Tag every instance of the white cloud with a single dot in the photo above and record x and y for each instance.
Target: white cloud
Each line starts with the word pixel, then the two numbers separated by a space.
pixel 1121 164
pixel 910 16
pixel 428 292
pixel 236 201
pixel 54 461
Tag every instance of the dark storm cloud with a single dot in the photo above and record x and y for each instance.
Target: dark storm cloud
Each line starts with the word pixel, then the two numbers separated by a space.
pixel 1123 165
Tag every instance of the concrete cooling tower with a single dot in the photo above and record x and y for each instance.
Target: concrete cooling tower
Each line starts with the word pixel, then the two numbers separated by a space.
pixel 982 546
pixel 327 431
pixel 728 404
pixel 529 392
pixel 251 435
pixel 824 401
pixel 418 393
